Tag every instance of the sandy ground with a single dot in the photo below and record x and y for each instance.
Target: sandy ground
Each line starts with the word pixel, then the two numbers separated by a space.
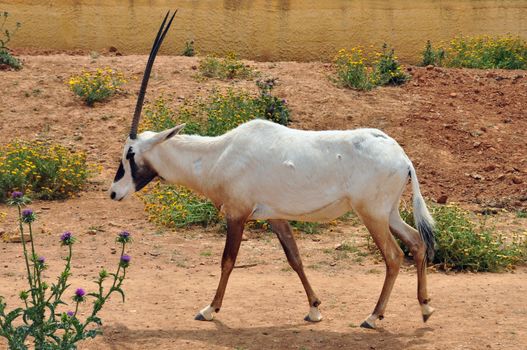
pixel 464 130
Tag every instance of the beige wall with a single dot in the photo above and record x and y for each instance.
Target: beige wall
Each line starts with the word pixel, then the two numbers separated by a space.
pixel 261 29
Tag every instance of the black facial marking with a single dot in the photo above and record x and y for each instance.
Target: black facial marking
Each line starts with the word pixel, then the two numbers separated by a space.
pixel 141 175
pixel 120 173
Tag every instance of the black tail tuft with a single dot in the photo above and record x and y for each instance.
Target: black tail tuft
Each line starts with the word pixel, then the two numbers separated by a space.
pixel 427 233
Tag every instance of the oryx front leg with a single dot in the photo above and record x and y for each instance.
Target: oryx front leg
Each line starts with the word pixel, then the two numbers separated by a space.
pixel 230 252
pixel 285 235
pixel 393 256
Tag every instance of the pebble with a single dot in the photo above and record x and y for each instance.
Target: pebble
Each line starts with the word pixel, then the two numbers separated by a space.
pixel 516 180
pixel 442 199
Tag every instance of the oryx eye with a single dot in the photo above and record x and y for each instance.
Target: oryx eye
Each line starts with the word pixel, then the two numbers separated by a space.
pixel 130 154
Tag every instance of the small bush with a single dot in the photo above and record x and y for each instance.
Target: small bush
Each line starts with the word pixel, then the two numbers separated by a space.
pixel 484 52
pixel 463 245
pixel 176 206
pixel 272 107
pixel 355 70
pixel 189 50
pixel 227 68
pixel 218 113
pixel 431 56
pixel 98 85
pixel 45 320
pixel 46 171
pixel 5 37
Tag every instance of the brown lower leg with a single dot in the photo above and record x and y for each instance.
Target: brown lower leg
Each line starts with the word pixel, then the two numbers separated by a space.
pixel 283 231
pixel 392 255
pixel 230 252
pixel 413 241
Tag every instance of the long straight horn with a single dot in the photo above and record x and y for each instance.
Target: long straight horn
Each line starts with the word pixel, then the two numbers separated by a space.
pixel 141 97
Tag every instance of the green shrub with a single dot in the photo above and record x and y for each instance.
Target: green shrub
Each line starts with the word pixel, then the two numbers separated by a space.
pixel 431 56
pixel 387 70
pixel 218 113
pixel 46 171
pixel 189 50
pixel 10 60
pixel 229 67
pixel 485 52
pixel 352 71
pixel 176 206
pixel 5 37
pixel 45 320
pixel 464 245
pixel 98 85
pixel 355 70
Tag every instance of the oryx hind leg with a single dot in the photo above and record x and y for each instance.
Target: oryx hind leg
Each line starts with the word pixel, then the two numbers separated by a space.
pixel 379 229
pixel 413 241
pixel 230 252
pixel 285 235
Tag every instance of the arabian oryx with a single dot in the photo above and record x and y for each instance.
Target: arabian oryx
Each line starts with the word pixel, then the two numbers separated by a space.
pixel 261 170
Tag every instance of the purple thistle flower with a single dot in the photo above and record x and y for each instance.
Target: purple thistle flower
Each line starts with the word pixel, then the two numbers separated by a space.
pixel 124 237
pixel 67 238
pixel 41 260
pixel 28 216
pixel 70 313
pixel 125 261
pixel 79 295
pixel 16 194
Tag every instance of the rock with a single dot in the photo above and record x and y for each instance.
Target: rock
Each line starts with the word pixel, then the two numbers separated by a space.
pixel 154 253
pixel 477 176
pixel 516 180
pixel 453 95
pixel 490 167
pixel 430 67
pixel 112 49
pixel 15 238
pixel 442 199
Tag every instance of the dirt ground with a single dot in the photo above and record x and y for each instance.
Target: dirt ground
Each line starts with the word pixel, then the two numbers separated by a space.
pixel 463 129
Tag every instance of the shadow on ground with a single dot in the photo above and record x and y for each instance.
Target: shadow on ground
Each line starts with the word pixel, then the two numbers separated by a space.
pixel 300 336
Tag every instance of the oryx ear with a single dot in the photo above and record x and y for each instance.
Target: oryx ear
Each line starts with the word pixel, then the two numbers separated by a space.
pixel 165 135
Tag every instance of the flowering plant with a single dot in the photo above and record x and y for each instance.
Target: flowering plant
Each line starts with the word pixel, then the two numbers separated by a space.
pixel 40 320
pixel 98 85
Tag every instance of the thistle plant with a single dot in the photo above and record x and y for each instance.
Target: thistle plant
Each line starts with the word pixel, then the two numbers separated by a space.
pixel 45 319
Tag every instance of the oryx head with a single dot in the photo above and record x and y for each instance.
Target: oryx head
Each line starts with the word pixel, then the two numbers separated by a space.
pixel 134 171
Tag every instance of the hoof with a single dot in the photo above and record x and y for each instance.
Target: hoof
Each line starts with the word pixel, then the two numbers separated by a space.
pixel 205 315
pixel 200 317
pixel 309 319
pixel 427 312
pixel 313 315
pixel 365 324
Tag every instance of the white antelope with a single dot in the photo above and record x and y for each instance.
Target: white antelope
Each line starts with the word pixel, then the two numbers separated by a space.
pixel 266 171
